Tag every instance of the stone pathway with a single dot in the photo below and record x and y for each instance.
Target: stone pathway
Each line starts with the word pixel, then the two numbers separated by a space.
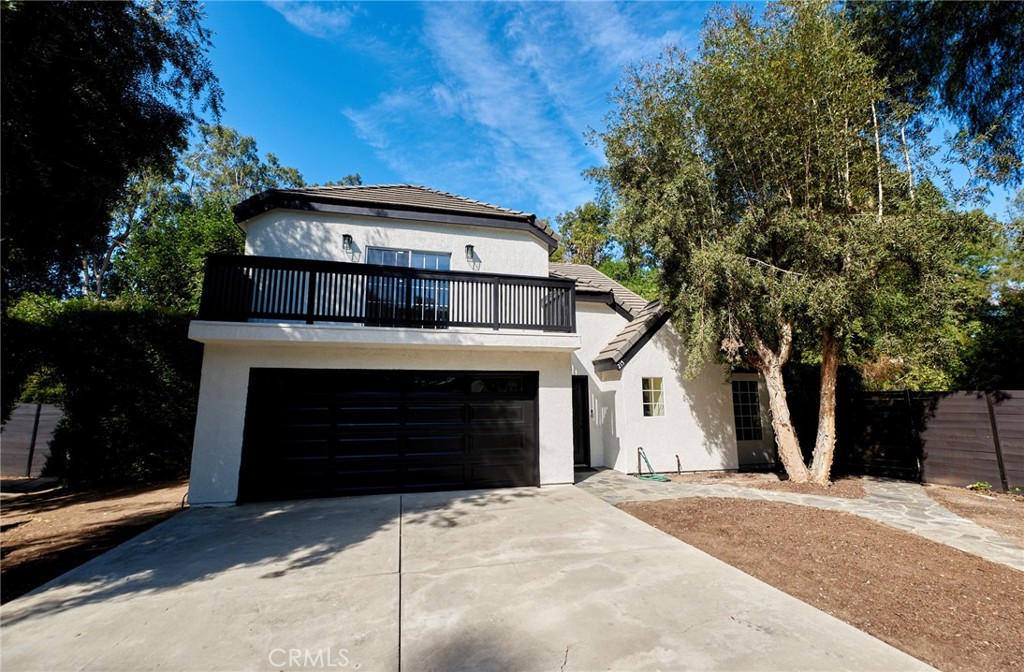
pixel 898 504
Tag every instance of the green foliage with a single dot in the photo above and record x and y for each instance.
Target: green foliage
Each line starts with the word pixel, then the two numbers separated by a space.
pixel 93 92
pixel 966 58
pixel 163 228
pixel 226 166
pixel 128 378
pixel 995 357
pixel 586 233
pixel 164 262
pixel 355 179
pixel 980 486
pixel 643 281
pixel 758 176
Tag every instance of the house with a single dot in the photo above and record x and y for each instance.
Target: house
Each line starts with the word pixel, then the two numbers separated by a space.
pixel 396 338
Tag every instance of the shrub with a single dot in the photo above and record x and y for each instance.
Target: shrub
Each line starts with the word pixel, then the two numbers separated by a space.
pixel 128 377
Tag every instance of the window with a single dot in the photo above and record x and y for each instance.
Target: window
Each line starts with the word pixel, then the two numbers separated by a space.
pixel 429 261
pixel 747 408
pixel 654 399
pixel 386 296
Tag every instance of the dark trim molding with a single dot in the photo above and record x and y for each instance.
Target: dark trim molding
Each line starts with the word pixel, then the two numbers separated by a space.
pixel 611 365
pixel 267 201
pixel 656 326
pixel 593 297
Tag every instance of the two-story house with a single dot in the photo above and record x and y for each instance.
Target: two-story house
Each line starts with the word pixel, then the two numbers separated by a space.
pixel 396 338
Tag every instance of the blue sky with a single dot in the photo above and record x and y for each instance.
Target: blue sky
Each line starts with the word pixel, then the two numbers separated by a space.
pixel 488 100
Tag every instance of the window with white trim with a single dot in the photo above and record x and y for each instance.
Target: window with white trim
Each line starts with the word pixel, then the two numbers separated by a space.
pixel 430 297
pixel 746 408
pixel 653 397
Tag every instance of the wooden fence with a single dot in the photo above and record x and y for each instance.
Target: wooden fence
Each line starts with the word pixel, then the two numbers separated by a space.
pixel 952 438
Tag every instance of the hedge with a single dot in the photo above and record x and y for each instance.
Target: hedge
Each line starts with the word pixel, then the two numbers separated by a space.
pixel 129 379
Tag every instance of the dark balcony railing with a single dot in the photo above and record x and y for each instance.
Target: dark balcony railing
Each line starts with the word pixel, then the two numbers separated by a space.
pixel 243 288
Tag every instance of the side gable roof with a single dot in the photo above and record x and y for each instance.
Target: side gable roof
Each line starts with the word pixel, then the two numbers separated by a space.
pixel 396 201
pixel 645 317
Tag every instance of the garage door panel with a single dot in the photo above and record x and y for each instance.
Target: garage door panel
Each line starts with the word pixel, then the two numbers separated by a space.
pixel 433 415
pixel 297 449
pixel 365 415
pixel 311 433
pixel 451 445
pixel 368 447
pixel 501 475
pixel 497 412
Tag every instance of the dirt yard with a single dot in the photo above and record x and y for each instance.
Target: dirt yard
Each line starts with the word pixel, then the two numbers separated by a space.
pixel 940 605
pixel 1001 512
pixel 44 534
pixel 847 487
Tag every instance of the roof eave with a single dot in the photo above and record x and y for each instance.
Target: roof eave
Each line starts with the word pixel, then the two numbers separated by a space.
pixel 277 199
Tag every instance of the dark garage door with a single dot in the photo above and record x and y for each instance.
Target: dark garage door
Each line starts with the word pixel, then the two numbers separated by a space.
pixel 323 433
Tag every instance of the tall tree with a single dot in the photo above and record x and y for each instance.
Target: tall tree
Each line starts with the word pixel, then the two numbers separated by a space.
pixel 586 232
pixel 965 58
pixel 760 173
pixel 93 93
pixel 227 166
pixel 223 168
pixel 164 261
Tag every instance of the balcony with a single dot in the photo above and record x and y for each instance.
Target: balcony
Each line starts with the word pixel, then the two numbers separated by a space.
pixel 251 288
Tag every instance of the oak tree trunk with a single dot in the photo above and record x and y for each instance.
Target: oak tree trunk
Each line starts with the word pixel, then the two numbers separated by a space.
pixel 825 442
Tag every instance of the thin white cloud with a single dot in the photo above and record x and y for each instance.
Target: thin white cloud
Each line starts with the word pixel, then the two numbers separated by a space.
pixel 316 19
pixel 496 102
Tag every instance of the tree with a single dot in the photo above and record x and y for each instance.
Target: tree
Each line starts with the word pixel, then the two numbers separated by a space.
pixel 964 58
pixel 760 173
pixel 226 165
pixel 164 261
pixel 586 232
pixel 353 180
pixel 93 93
pixel 191 209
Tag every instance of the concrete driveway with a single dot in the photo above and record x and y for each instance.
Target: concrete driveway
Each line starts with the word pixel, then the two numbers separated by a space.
pixel 519 579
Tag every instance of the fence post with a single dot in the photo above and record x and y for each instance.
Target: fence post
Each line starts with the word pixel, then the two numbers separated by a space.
pixel 915 435
pixel 995 441
pixel 494 304
pixel 32 443
pixel 311 297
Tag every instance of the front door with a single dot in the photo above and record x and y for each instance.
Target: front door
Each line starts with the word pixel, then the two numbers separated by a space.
pixel 581 421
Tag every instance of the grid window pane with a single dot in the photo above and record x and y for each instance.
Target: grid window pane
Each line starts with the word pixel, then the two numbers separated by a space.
pixel 747 409
pixel 430 298
pixel 653 397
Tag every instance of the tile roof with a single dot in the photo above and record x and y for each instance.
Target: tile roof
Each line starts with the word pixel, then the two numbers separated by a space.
pixel 589 278
pixel 396 196
pixel 647 316
pixel 621 348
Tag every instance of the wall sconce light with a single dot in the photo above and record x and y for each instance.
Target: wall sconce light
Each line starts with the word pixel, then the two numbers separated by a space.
pixel 346 242
pixel 470 254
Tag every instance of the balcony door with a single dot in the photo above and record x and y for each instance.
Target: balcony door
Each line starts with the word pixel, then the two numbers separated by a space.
pixel 407 300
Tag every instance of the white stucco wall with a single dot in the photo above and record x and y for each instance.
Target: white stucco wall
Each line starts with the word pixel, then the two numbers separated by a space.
pixel 597 324
pixel 217 449
pixel 698 424
pixel 318 235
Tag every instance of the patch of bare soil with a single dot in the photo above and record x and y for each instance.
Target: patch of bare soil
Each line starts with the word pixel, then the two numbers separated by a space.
pixel 1000 512
pixel 848 487
pixel 950 609
pixel 44 534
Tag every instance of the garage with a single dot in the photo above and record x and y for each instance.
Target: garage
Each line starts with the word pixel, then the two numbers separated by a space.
pixel 325 433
